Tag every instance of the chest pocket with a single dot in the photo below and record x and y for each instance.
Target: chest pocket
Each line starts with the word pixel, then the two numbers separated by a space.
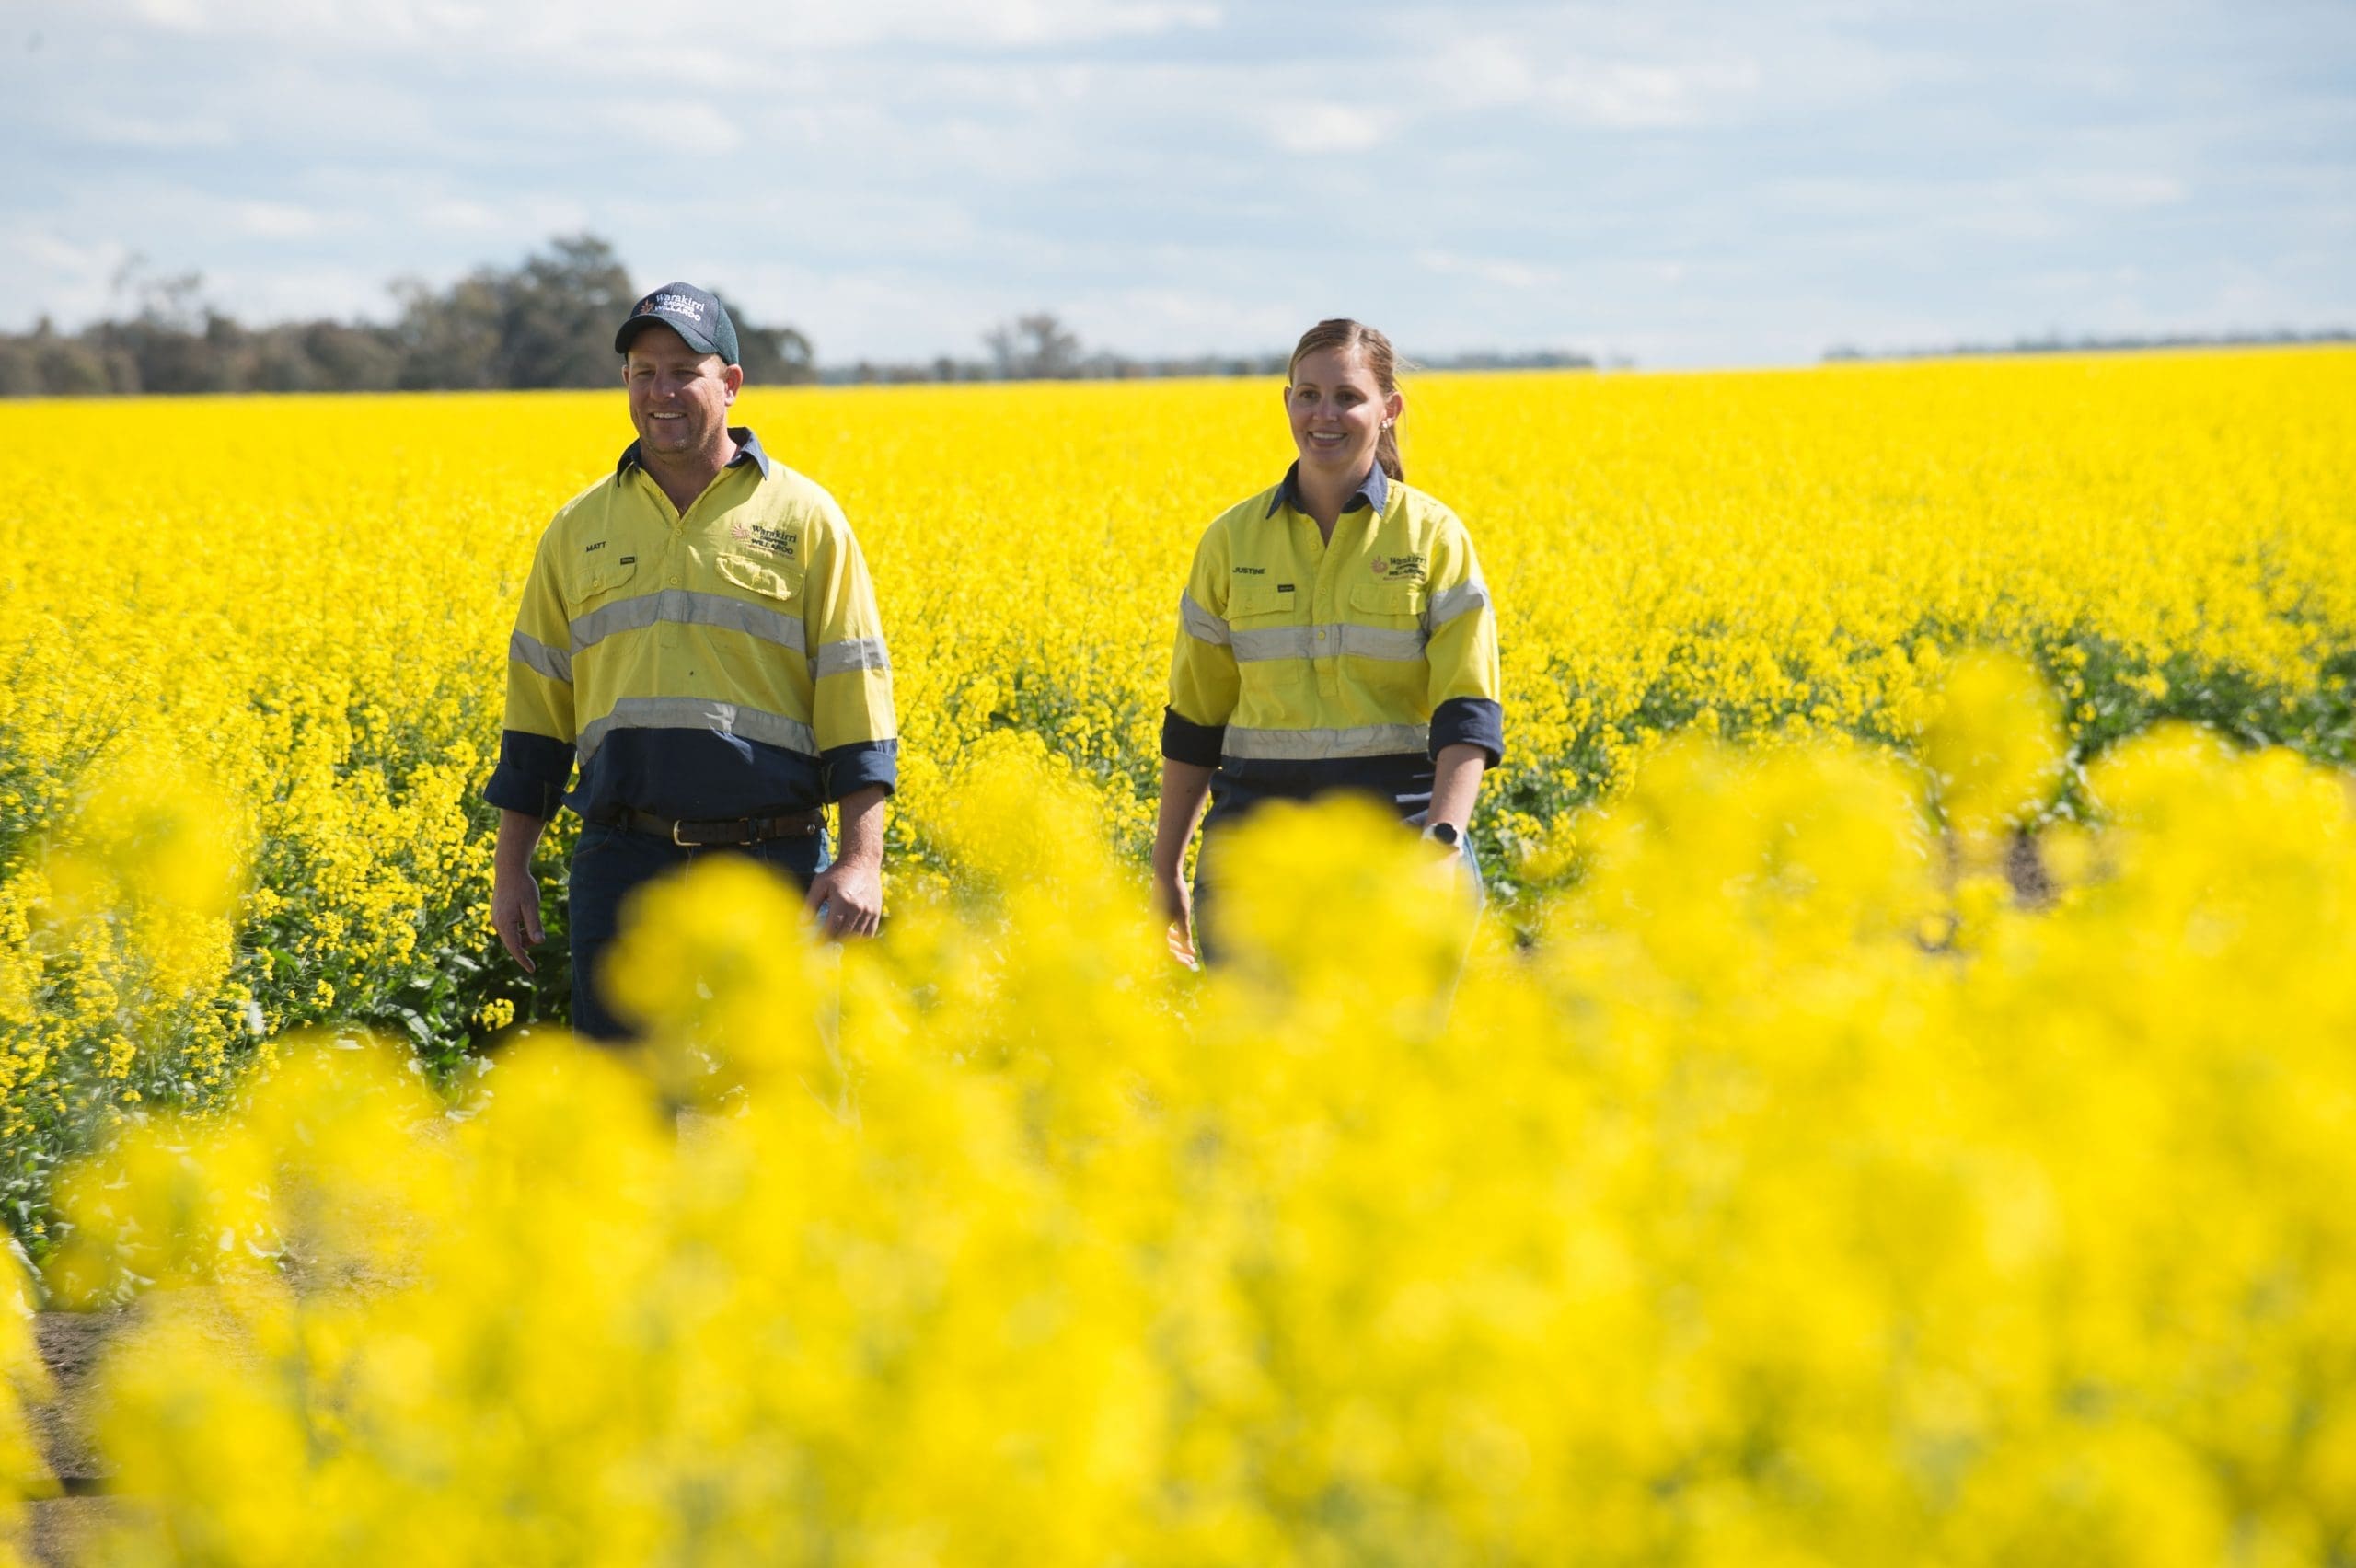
pixel 761 577
pixel 1255 601
pixel 1270 633
pixel 1386 633
pixel 598 577
pixel 1396 604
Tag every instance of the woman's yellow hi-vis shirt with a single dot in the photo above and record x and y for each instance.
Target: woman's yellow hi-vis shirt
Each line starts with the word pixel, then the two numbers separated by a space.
pixel 1303 665
pixel 727 662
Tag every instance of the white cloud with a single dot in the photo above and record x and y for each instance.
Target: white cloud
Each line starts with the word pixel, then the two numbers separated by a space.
pixel 1483 72
pixel 623 28
pixel 1496 272
pixel 669 128
pixel 43 273
pixel 450 214
pixel 1172 175
pixel 1621 95
pixel 277 220
pixel 1311 128
pixel 2121 190
pixel 109 127
pixel 180 16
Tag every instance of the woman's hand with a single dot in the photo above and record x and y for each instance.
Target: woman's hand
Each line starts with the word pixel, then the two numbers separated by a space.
pixel 1184 786
pixel 1177 904
pixel 1172 897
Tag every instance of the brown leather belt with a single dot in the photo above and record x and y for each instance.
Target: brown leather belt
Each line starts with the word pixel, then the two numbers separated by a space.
pixel 730 830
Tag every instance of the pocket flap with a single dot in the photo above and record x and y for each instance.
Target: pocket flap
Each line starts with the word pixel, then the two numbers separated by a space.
pixel 759 577
pixel 1255 597
pixel 600 576
pixel 1389 598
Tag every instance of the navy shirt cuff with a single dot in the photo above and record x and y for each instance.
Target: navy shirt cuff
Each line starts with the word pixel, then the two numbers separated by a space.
pixel 531 774
pixel 851 768
pixel 1470 722
pixel 1183 740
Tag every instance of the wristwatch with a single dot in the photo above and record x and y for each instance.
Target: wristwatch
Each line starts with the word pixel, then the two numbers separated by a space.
pixel 1444 834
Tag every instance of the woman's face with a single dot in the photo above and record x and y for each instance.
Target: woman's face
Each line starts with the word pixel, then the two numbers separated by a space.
pixel 1338 411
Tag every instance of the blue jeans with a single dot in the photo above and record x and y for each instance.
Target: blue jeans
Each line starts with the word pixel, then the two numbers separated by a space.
pixel 609 863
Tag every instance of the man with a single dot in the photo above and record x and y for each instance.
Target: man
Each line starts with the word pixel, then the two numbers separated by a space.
pixel 700 628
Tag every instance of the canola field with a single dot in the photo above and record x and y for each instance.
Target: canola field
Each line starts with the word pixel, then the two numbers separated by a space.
pixel 1793 1177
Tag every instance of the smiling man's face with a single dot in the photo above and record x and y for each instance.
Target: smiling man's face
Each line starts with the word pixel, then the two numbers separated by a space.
pixel 678 396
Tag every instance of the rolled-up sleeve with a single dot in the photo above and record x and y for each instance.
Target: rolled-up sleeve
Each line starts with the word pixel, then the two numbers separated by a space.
pixel 535 739
pixel 1203 682
pixel 850 666
pixel 1467 684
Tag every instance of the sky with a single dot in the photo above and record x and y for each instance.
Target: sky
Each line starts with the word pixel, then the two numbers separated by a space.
pixel 1676 184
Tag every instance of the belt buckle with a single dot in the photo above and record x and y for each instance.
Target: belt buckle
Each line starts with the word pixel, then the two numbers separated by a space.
pixel 682 843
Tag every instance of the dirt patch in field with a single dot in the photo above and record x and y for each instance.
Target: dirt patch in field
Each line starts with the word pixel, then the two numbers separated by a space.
pixel 63 1529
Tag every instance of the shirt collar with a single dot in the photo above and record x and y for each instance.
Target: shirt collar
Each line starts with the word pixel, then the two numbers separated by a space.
pixel 749 449
pixel 1372 491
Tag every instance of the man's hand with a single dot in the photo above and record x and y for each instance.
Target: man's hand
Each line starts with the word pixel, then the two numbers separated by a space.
pixel 515 895
pixel 853 892
pixel 852 888
pixel 516 913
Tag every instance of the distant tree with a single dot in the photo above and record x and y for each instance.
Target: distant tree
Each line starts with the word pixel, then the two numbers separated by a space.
pixel 447 341
pixel 557 314
pixel 279 364
pixel 1033 348
pixel 19 369
pixel 350 357
pixel 772 356
pixel 75 367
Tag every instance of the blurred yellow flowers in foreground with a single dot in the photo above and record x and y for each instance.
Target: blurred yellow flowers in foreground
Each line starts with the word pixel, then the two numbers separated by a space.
pixel 252 654
pixel 1786 1199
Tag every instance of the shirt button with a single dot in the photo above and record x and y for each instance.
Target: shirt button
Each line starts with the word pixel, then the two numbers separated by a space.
pixel 1321 634
pixel 675 580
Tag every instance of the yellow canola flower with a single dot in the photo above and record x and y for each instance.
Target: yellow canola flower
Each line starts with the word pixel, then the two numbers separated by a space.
pixel 1782 1182
pixel 1729 1222
pixel 718 967
pixel 1993 744
pixel 1740 554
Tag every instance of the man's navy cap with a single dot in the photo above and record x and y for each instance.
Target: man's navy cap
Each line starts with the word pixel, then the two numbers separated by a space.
pixel 693 314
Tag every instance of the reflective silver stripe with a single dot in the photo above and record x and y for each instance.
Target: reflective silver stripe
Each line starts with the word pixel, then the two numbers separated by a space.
pixel 1381 641
pixel 699 713
pixel 1273 642
pixel 538 656
pixel 1325 642
pixel 850 653
pixel 683 606
pixel 1449 602
pixel 1199 623
pixel 1310 745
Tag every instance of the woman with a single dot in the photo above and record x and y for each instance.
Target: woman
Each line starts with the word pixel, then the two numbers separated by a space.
pixel 1334 633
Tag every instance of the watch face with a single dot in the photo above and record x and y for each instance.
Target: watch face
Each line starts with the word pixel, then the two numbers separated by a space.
pixel 1441 832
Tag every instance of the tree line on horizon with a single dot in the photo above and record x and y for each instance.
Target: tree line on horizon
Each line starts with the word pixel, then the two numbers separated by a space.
pixel 547 322
pixel 2094 343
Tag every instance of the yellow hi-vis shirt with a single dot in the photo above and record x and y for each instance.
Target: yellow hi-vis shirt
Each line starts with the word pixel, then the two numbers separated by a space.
pixel 1302 665
pixel 723 663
